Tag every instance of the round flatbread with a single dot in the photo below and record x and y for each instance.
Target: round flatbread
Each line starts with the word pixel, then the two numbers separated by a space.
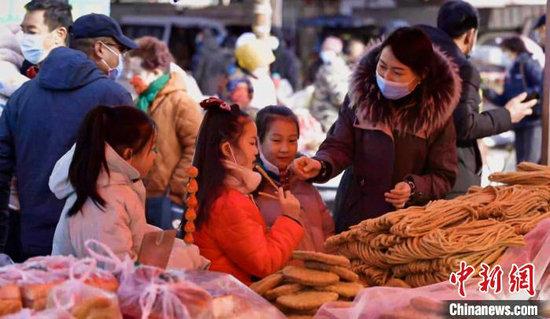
pixel 344 289
pixel 307 300
pixel 342 272
pixel 335 260
pixel 268 283
pixel 309 277
pixel 287 289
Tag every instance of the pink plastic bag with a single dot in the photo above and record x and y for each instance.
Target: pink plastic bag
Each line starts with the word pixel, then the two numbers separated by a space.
pixel 44 314
pixel 150 292
pixel 74 296
pixel 388 302
pixel 232 299
pixel 38 276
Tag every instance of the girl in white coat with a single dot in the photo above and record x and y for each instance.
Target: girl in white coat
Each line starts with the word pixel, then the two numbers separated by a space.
pixel 101 179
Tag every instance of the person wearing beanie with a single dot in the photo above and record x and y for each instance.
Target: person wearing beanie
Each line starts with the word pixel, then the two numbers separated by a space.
pixel 456 35
pixel 254 57
pixel 524 75
pixel 163 95
pixel 239 91
pixel 540 28
pixel 331 83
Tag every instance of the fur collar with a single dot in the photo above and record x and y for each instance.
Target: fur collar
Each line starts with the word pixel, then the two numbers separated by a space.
pixel 422 113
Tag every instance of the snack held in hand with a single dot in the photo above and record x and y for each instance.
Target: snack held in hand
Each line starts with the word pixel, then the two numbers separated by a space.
pixel 192 204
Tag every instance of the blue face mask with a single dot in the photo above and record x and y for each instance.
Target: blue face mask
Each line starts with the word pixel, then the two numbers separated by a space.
pixel 393 90
pixel 32 47
pixel 114 73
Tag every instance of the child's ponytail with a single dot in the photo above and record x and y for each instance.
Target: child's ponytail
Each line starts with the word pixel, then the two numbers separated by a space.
pixel 89 157
pixel 120 127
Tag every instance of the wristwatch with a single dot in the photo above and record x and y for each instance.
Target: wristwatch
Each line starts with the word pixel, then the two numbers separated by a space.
pixel 324 172
pixel 411 184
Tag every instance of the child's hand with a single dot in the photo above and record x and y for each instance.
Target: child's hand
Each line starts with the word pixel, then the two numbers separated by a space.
pixel 289 203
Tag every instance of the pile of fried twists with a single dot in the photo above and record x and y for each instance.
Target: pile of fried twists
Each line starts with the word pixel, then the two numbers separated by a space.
pixel 418 246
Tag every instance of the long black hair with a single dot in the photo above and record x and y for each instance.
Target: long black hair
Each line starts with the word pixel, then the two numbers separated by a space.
pixel 121 127
pixel 222 123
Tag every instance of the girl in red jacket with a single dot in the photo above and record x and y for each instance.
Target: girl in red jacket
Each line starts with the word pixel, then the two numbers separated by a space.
pixel 231 231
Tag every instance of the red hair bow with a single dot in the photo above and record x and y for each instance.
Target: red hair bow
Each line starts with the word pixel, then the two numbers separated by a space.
pixel 213 102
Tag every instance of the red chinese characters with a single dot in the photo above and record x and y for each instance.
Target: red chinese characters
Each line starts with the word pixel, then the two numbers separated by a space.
pixel 522 278
pixel 490 279
pixel 519 278
pixel 461 276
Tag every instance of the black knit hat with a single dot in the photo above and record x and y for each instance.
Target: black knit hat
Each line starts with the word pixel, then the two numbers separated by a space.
pixel 541 21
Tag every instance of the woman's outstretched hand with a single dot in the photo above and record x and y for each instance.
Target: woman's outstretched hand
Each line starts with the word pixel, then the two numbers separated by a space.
pixel 306 168
pixel 399 195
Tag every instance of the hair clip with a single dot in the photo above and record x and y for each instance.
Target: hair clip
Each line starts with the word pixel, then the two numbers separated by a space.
pixel 225 106
pixel 211 101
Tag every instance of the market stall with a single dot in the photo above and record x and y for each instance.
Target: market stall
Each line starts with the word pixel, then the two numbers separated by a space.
pixel 404 264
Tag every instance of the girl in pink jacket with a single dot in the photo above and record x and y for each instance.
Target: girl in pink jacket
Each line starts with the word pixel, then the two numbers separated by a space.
pixel 100 177
pixel 278 132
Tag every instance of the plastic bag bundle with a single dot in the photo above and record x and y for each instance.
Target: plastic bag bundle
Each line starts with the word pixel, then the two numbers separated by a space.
pixel 28 285
pixel 84 301
pixel 150 292
pixel 43 314
pixel 231 298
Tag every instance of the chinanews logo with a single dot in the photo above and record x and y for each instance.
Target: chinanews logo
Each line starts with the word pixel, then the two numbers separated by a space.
pixel 519 278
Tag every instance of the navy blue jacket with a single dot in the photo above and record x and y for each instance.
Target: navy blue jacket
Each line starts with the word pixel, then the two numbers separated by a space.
pixel 525 75
pixel 38 126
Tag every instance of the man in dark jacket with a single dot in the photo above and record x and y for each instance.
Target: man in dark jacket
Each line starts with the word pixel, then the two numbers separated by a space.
pixel 45 27
pixel 40 121
pixel 211 62
pixel 456 35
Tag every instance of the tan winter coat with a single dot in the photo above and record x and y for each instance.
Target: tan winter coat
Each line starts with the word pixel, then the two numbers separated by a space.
pixel 178 119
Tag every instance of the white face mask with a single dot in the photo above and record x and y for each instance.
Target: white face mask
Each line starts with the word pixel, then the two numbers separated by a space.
pixel 248 180
pixel 394 90
pixel 328 56
pixel 32 46
pixel 116 72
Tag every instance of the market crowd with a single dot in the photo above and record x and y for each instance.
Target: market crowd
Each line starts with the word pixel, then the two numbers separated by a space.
pixel 98 131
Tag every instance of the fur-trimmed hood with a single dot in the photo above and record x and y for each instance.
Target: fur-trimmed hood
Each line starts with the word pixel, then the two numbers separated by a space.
pixel 422 113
